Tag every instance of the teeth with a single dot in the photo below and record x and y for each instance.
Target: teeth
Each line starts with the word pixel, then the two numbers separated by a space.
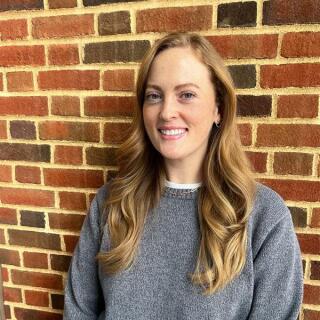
pixel 173 132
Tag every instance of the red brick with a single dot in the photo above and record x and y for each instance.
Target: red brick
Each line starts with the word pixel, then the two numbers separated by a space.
pixel 20 5
pixel 3 127
pixel 23 314
pixel 9 257
pixel 71 131
pixel 2 239
pixel 309 243
pixel 293 163
pixel 12 294
pixel 315 219
pixel 311 294
pixel 65 106
pixel 174 19
pixel 20 81
pixel 7 312
pixel 13 29
pixel 295 190
pixel 297 106
pixel 5 274
pixel 37 298
pixel 28 174
pixel 311 314
pixel 70 242
pixel 1 82
pixel 24 106
pixel 108 106
pixel 245 46
pixel 69 80
pixel 288 135
pixel 5 173
pixel 72 222
pixel 301 44
pixel 63 54
pixel 290 75
pixel 315 270
pixel 73 178
pixel 56 4
pixel 63 26
pixel 118 80
pixel 23 196
pixel 8 216
pixel 258 161
pixel 35 260
pixel 22 56
pixel 115 132
pixel 68 155
pixel 245 132
pixel 73 201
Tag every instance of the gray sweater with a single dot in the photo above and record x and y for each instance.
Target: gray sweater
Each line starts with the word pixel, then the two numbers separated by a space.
pixel 156 286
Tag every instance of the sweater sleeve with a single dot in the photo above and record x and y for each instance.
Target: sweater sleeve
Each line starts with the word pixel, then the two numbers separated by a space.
pixel 278 278
pixel 83 294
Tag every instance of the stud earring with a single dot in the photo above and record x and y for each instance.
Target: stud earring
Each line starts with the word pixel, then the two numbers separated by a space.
pixel 217 124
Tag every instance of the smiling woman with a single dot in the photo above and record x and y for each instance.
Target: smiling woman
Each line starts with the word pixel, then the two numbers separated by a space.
pixel 184 231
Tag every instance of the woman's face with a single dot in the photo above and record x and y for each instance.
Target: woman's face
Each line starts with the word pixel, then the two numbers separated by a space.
pixel 179 107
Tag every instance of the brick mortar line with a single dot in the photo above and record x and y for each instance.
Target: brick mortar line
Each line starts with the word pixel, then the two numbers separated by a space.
pixel 133 19
pixel 315 165
pixel 45 4
pixel 40 250
pixel 31 307
pixel 312 307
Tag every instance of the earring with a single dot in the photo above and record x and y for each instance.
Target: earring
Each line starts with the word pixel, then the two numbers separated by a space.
pixel 217 124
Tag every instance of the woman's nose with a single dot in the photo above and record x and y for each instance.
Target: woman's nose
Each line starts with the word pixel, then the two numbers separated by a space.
pixel 168 109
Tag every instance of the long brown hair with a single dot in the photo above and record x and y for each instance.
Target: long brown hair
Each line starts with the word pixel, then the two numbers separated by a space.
pixel 225 197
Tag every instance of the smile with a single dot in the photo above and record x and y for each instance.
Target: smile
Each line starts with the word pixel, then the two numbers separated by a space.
pixel 173 132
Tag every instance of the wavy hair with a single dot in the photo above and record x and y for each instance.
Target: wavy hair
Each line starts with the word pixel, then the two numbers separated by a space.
pixel 225 197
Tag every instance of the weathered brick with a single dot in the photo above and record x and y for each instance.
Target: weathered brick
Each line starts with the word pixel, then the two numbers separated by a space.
pixel 34 239
pixel 311 314
pixel 20 5
pixel 28 174
pixel 193 18
pixel 315 219
pixel 32 219
pixel 2 238
pixel 115 51
pixel 69 80
pixel 12 294
pixel 22 56
pixel 254 106
pixel 277 12
pixel 258 161
pixel 118 80
pixel 297 106
pixel 315 270
pixel 9 257
pixel 35 260
pixel 20 151
pixel 20 81
pixel 63 54
pixel 57 301
pixel 245 132
pixel 13 29
pixel 311 294
pixel 114 23
pixel 8 216
pixel 60 262
pixel 21 129
pixel 23 314
pixel 101 156
pixel 109 106
pixel 57 4
pixel 1 82
pixel 5 173
pixel 37 298
pixel 73 178
pixel 65 106
pixel 26 106
pixel 245 46
pixel 237 14
pixel 98 2
pixel 115 132
pixel 70 242
pixel 244 76
pixel 63 26
pixel 291 135
pixel 68 155
pixel 3 127
pixel 72 201
pixel 72 222
pixel 299 217
pixel 290 75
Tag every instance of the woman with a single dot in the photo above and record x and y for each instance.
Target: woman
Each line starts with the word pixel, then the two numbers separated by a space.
pixel 183 231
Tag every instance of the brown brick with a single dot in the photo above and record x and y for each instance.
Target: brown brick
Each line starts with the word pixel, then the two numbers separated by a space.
pixel 12 294
pixel 34 239
pixel 115 51
pixel 73 178
pixel 21 5
pixel 63 54
pixel 26 106
pixel 23 314
pixel 311 314
pixel 114 23
pixel 22 56
pixel 115 132
pixel 111 174
pixel 258 161
pixel 8 216
pixel 65 106
pixel 72 222
pixel 60 262
pixel 57 4
pixel 37 298
pixel 7 312
pixel 9 257
pixel 237 14
pixel 293 163
pixel 63 26
pixel 70 242
pixel 118 80
pixel 291 135
pixel 4 273
pixel 277 12
pixel 290 75
pixel 297 106
pixel 73 201
pixel 254 106
pixel 315 219
pixel 57 301
pixel 1 82
pixel 20 81
pixel 13 29
pixel 71 131
pixel 32 219
pixel 309 243
pixel 98 2
pixel 315 270
pixel 299 217
pixel 20 129
pixel 69 80
pixel 35 260
pixel 2 239
pixel 20 151
pixel 101 156
pixel 28 174
pixel 244 76
pixel 68 155
pixel 3 127
pixel 311 294
pixel 245 46
pixel 245 131
pixel 108 106
pixel 193 18
pixel 5 173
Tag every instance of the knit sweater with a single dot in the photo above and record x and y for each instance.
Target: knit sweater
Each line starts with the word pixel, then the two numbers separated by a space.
pixel 156 286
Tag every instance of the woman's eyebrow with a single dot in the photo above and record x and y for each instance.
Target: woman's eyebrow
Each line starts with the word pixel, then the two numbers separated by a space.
pixel 177 87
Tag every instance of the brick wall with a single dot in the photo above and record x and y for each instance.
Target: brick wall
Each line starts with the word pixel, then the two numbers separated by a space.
pixel 67 71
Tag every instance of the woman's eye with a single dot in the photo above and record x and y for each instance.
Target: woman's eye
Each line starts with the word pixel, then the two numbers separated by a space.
pixel 152 97
pixel 187 95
